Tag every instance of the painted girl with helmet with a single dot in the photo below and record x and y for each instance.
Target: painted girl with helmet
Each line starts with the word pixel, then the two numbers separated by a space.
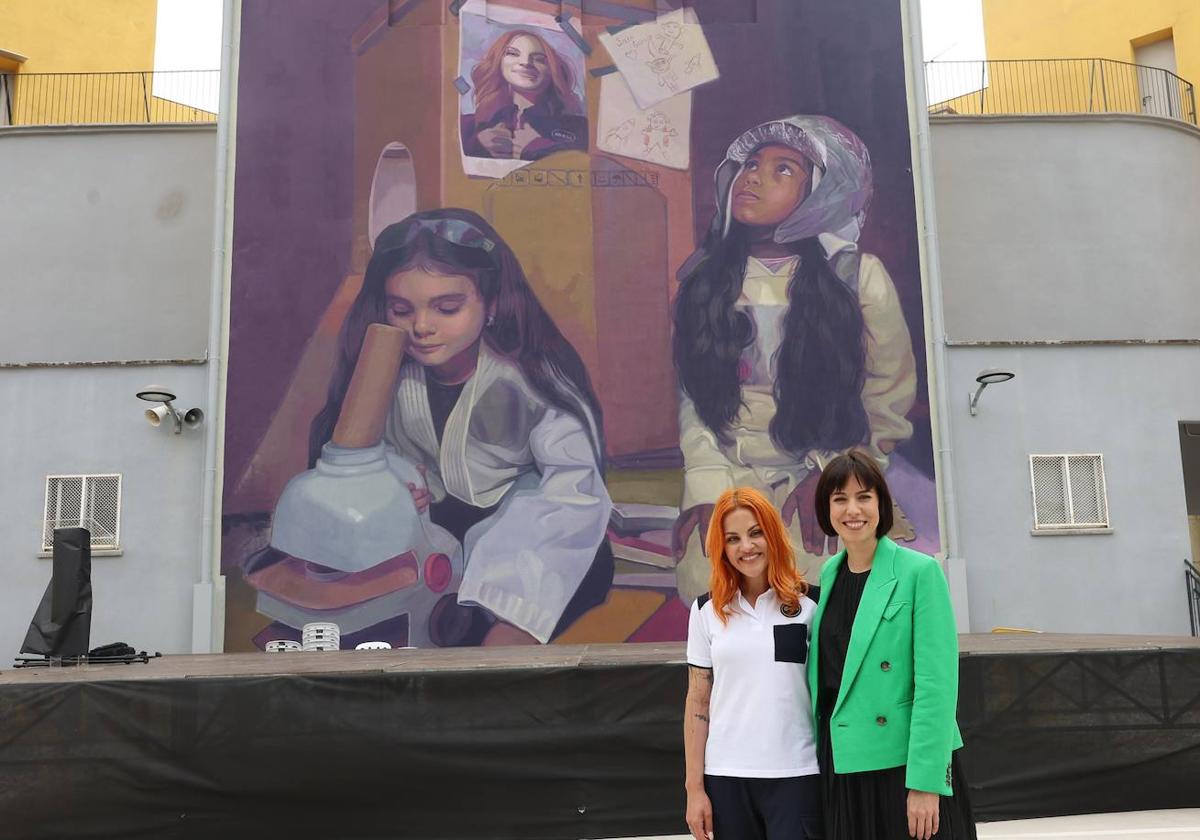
pixel 789 343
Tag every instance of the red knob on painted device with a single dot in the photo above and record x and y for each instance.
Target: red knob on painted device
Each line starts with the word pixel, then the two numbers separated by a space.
pixel 438 572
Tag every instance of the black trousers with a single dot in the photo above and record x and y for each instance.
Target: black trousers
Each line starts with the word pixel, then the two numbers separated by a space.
pixel 766 809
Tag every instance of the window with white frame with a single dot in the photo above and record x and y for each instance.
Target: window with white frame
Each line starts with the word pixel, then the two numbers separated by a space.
pixel 1068 492
pixel 84 501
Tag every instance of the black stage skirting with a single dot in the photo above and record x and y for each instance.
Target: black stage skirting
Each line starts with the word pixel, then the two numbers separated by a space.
pixel 553 742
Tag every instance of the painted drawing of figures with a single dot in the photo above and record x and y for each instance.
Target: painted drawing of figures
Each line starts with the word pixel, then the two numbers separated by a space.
pixel 806 355
pixel 526 105
pixel 663 47
pixel 664 72
pixel 667 41
pixel 657 135
pixel 495 410
pixel 618 137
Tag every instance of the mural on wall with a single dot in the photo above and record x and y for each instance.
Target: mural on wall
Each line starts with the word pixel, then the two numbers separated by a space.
pixel 536 286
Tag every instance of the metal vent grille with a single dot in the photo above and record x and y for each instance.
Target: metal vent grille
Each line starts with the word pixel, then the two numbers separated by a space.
pixel 84 501
pixel 1068 492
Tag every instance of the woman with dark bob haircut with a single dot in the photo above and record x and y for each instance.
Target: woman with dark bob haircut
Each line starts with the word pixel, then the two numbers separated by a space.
pixel 883 673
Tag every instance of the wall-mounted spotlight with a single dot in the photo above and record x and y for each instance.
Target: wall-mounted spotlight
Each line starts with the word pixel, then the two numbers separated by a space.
pixel 191 418
pixel 985 378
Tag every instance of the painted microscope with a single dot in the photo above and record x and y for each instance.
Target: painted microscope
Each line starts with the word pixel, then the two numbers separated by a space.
pixel 351 521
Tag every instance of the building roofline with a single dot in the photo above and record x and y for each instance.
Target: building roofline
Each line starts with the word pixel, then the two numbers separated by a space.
pixel 1108 116
pixel 105 128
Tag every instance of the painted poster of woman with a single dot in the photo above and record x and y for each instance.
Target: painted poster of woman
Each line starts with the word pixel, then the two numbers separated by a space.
pixel 525 99
pixel 525 102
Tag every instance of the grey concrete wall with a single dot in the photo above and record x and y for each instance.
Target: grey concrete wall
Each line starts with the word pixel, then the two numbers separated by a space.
pixel 105 243
pixel 1124 403
pixel 105 258
pixel 1074 227
pixel 87 420
pixel 1079 229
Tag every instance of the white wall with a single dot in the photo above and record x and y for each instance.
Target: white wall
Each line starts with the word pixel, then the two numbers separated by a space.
pixel 106 237
pixel 1124 403
pixel 1077 229
pixel 87 420
pixel 105 249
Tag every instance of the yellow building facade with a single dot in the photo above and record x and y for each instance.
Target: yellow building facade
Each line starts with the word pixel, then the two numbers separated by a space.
pixel 1114 29
pixel 79 36
pixel 80 62
pixel 1086 56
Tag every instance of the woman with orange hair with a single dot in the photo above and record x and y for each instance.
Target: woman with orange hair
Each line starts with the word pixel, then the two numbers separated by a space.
pixel 525 101
pixel 750 753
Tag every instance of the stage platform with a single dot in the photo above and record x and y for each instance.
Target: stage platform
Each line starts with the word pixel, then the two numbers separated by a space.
pixel 540 742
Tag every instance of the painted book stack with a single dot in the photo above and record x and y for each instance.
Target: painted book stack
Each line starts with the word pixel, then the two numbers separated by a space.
pixel 640 536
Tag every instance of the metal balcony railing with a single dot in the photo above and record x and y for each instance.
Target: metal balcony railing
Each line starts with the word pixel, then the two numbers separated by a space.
pixel 166 96
pixel 1057 86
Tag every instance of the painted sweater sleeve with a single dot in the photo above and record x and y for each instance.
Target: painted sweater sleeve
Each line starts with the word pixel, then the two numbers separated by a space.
pixel 527 561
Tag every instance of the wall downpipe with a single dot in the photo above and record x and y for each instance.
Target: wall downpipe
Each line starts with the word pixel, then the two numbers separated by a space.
pixel 935 327
pixel 207 599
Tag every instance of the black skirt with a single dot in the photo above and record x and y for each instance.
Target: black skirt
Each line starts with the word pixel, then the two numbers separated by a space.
pixel 874 805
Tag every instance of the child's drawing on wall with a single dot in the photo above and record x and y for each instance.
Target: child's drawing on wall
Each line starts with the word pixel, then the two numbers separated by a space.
pixel 657 136
pixel 661 58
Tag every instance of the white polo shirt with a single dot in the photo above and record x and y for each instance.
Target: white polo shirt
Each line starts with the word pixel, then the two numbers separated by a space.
pixel 760 714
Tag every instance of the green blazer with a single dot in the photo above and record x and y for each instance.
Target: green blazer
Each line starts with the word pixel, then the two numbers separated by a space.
pixel 899 696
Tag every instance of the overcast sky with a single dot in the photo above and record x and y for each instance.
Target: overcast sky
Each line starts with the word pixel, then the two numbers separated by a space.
pixel 952 30
pixel 188 37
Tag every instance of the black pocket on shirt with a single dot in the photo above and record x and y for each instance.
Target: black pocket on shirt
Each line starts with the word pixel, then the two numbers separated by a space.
pixel 791 643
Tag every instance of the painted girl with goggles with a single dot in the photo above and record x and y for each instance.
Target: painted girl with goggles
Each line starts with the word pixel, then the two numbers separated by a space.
pixel 495 407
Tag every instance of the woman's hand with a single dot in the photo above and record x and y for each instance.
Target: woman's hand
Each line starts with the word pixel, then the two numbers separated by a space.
pixel 522 137
pixel 699 815
pixel 802 501
pixel 922 814
pixel 421 495
pixel 498 140
pixel 697 516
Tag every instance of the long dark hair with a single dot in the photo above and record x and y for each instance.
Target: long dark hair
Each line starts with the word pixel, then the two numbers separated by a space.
pixel 821 362
pixel 520 331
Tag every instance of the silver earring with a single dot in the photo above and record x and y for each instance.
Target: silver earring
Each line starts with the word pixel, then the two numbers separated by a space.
pixel 491 320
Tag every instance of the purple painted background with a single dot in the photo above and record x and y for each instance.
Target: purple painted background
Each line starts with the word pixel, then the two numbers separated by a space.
pixel 294 190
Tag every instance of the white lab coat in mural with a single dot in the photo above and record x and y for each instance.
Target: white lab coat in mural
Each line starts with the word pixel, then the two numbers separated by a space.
pixel 504 444
pixel 752 457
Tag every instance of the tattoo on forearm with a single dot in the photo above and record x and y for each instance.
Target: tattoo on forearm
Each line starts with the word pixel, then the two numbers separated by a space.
pixel 701 717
